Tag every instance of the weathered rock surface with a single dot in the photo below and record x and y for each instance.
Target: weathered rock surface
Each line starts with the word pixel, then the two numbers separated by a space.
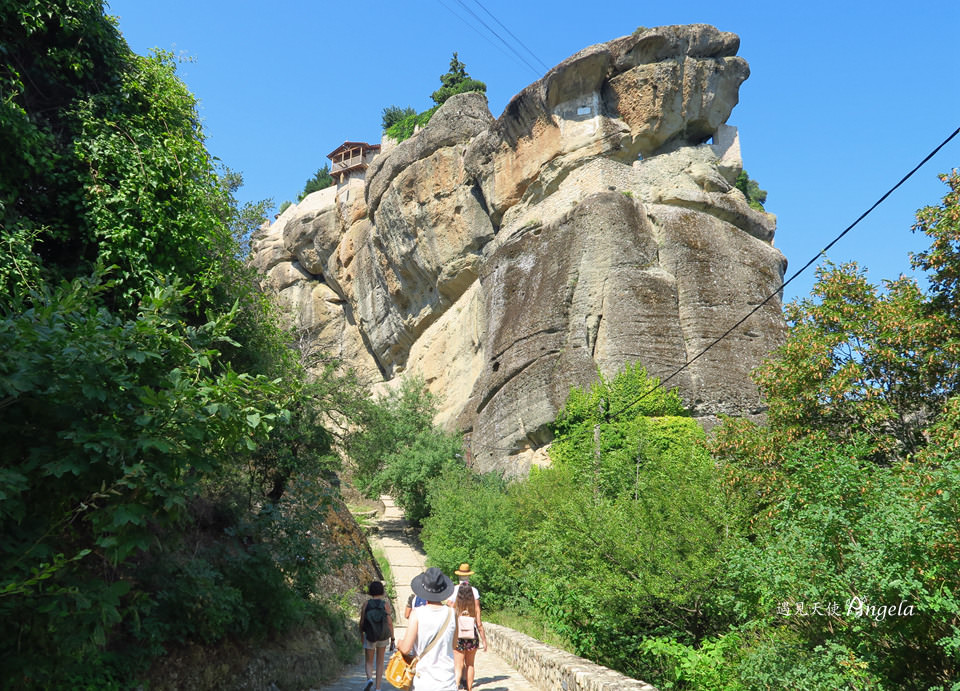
pixel 594 223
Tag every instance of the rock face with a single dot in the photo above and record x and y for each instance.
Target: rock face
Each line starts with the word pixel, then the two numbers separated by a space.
pixel 504 261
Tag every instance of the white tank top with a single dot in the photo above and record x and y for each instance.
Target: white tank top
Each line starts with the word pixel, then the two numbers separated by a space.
pixel 435 671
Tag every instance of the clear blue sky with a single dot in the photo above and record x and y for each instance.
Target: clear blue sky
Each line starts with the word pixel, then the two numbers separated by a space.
pixel 843 99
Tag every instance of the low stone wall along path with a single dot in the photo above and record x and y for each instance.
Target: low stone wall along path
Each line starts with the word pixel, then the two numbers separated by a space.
pixel 548 667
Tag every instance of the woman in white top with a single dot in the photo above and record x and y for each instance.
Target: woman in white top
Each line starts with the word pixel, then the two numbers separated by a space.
pixel 433 620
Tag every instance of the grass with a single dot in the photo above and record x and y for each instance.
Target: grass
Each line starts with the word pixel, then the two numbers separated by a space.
pixel 361 515
pixel 388 583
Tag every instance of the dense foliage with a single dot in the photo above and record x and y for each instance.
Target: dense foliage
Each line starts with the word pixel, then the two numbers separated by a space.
pixel 820 550
pixel 398 449
pixel 164 454
pixel 854 482
pixel 404 128
pixel 619 539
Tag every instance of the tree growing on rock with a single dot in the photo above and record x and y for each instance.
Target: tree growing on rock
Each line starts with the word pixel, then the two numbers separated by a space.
pixel 456 81
pixel 320 181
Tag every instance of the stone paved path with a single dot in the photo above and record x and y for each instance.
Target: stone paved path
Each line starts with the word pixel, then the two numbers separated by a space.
pixel 406 559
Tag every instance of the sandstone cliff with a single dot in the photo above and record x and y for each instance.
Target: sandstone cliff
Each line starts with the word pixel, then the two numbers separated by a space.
pixel 594 223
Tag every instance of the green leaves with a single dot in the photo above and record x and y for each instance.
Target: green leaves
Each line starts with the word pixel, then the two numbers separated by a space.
pixel 456 81
pixel 398 450
pixel 394 114
pixel 623 536
pixel 148 433
pixel 853 482
pixel 320 181
pixel 861 360
pixel 405 127
pixel 401 123
pixel 150 405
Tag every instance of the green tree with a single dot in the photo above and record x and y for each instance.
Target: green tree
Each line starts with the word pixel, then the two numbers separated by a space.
pixel 942 260
pixel 178 506
pixel 394 114
pixel 861 360
pixel 756 197
pixel 320 181
pixel 853 482
pixel 398 449
pixel 456 81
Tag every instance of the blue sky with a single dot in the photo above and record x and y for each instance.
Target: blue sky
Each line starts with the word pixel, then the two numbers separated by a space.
pixel 843 99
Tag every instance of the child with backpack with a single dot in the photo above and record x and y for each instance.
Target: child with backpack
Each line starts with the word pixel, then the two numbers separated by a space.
pixel 376 630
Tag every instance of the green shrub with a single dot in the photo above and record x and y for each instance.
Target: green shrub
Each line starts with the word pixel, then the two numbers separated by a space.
pixel 473 520
pixel 623 537
pixel 398 450
pixel 444 93
pixel 404 129
pixel 713 664
pixel 394 114
pixel 756 197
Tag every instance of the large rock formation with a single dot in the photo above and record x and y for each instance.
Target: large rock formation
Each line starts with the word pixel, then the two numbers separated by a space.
pixel 595 223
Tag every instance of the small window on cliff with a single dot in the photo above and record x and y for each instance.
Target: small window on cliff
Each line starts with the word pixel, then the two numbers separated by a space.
pixel 584 110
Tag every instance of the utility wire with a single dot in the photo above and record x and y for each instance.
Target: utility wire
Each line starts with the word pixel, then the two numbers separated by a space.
pixel 475 29
pixel 621 411
pixel 502 40
pixel 546 68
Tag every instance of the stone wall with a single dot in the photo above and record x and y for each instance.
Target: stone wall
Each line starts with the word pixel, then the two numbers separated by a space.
pixel 551 669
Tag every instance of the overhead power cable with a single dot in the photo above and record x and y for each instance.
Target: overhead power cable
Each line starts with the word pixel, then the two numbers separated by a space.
pixel 474 28
pixel 546 68
pixel 502 40
pixel 789 280
pixel 822 252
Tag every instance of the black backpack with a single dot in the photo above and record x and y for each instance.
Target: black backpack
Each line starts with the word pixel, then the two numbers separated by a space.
pixel 375 625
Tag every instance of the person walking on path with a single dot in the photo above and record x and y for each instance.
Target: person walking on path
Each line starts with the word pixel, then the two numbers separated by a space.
pixel 470 636
pixel 376 631
pixel 430 633
pixel 466 603
pixel 463 574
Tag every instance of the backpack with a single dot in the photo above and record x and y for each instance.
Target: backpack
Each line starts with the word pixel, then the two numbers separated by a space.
pixel 375 625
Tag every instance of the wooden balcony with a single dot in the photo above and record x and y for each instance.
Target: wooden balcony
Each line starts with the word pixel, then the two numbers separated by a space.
pixel 347 164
